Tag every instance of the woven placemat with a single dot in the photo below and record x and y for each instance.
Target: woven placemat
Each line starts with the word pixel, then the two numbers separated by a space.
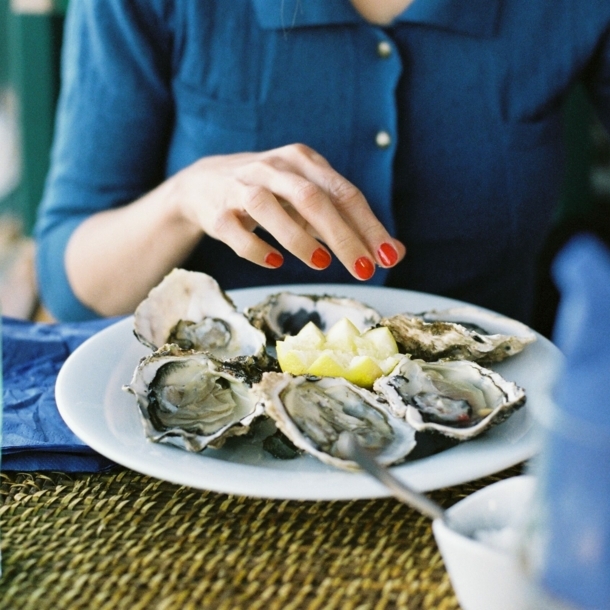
pixel 121 540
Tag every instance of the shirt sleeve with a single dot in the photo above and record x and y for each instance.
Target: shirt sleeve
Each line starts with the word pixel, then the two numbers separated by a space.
pixel 112 127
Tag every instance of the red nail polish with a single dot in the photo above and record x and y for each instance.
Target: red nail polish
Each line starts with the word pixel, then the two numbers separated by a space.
pixel 320 258
pixel 387 254
pixel 364 268
pixel 274 259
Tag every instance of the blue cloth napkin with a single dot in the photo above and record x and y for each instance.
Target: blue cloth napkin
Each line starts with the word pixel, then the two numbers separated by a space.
pixel 34 436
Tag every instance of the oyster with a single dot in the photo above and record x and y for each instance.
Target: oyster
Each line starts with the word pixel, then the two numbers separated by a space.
pixel 189 309
pixel 285 313
pixel 459 333
pixel 314 411
pixel 458 398
pixel 191 400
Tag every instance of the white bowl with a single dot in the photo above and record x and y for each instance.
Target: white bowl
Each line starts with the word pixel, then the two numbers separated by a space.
pixel 483 576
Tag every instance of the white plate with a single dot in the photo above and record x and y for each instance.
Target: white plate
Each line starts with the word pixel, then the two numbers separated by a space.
pixel 91 400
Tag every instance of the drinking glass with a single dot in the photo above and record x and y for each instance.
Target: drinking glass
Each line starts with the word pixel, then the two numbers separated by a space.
pixel 567 545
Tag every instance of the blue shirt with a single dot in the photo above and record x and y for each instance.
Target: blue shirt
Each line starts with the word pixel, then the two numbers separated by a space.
pixel 469 93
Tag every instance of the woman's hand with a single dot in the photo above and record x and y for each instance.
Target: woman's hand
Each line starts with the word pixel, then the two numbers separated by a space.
pixel 295 195
pixel 116 256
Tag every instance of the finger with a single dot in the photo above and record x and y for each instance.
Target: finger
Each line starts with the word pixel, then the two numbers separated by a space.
pixel 230 230
pixel 350 203
pixel 353 207
pixel 401 249
pixel 262 206
pixel 318 211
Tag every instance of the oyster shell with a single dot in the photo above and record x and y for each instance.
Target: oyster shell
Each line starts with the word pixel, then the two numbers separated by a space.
pixel 189 309
pixel 458 398
pixel 313 412
pixel 193 401
pixel 459 333
pixel 285 313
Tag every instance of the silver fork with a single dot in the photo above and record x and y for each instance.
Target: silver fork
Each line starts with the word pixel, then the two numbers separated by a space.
pixel 351 449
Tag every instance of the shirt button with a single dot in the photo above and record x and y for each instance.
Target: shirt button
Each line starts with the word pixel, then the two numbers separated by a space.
pixel 383 139
pixel 384 49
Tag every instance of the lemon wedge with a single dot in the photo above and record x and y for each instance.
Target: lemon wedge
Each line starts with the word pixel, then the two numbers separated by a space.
pixel 342 352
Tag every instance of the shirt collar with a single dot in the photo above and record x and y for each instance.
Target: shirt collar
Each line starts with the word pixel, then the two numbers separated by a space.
pixel 471 17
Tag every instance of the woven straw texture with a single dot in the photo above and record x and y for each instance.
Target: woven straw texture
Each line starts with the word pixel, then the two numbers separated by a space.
pixel 121 540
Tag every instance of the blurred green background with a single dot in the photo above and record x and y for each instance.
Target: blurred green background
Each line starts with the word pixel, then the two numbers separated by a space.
pixel 30 43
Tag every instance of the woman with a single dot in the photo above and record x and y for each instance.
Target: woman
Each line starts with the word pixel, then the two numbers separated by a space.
pixel 342 130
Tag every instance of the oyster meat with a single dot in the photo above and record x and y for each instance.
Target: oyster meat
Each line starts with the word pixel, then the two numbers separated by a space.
pixel 190 309
pixel 457 398
pixel 459 333
pixel 284 313
pixel 191 400
pixel 313 412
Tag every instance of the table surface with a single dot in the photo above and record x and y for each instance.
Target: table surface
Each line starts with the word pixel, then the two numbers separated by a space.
pixel 120 539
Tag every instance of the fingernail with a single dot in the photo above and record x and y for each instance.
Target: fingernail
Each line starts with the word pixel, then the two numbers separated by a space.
pixel 320 258
pixel 364 268
pixel 274 259
pixel 387 254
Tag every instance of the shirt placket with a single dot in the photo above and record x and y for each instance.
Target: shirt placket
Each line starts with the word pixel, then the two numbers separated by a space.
pixel 376 123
